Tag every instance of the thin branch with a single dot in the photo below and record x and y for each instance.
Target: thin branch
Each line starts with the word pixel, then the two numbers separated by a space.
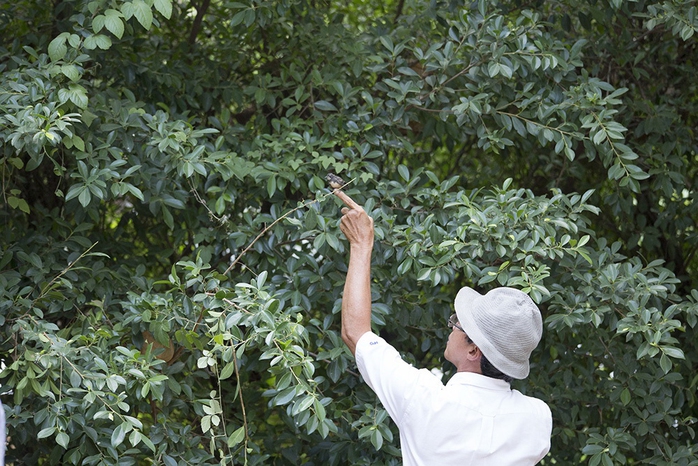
pixel 398 12
pixel 242 402
pixel 63 272
pixel 196 26
pixel 203 203
pixel 271 225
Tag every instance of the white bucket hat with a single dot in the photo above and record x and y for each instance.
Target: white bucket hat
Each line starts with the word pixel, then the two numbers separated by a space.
pixel 504 323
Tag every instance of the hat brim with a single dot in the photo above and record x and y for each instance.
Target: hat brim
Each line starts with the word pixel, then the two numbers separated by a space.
pixel 465 299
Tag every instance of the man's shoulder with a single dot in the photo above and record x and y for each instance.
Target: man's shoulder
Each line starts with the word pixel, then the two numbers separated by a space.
pixel 532 404
pixel 374 351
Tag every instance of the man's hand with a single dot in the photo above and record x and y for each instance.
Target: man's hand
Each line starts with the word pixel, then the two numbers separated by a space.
pixel 356 225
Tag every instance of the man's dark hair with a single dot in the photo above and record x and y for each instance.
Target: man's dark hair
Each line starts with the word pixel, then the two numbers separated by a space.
pixel 488 369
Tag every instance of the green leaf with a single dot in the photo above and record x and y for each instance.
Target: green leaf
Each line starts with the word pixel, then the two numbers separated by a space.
pixel 271 185
pixel 227 371
pixel 47 432
pixel 98 23
pixel 303 405
pixel 90 43
pixel 76 94
pixel 407 71
pixel 118 436
pixel 625 396
pixel 135 191
pixel 404 172
pixel 285 396
pixel 168 218
pixel 148 443
pixel 164 7
pixel 206 423
pixel 63 439
pixel 673 352
pixel 592 449
pixel 134 438
pixel 78 143
pixel 18 203
pixel 665 363
pixel 114 23
pixel 237 18
pixel 377 439
pixel 173 202
pixel 236 437
pixel 143 13
pixel 493 69
pixel 325 106
pixel 250 16
pixel 616 172
pixel 74 191
pixel 75 379
pixel 387 43
pixel 599 136
pixel 506 71
pixel 57 48
pixel 127 10
pixel 85 197
pixel 102 41
pixel 71 72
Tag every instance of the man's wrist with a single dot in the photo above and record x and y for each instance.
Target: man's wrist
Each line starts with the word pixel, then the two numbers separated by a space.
pixel 361 248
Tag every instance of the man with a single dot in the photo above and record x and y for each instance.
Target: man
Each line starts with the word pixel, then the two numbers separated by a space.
pixel 476 418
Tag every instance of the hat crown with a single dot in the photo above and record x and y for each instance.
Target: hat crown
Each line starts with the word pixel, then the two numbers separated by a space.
pixel 504 323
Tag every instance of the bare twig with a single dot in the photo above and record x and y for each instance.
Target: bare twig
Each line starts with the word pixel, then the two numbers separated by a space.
pixel 203 203
pixel 63 272
pixel 271 225
pixel 242 402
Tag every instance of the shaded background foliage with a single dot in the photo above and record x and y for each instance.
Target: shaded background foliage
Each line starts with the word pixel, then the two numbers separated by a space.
pixel 171 268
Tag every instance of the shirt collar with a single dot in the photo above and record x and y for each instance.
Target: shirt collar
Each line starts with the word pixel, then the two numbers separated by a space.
pixel 478 380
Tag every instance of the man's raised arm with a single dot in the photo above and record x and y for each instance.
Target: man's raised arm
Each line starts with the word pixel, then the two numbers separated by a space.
pixel 357 226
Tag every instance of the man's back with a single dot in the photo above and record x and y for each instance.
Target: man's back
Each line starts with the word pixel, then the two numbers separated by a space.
pixel 472 420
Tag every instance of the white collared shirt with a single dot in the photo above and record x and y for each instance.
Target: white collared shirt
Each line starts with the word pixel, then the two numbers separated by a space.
pixel 473 420
pixel 2 435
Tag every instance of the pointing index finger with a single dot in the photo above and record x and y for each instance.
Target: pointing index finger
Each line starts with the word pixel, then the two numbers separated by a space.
pixel 346 199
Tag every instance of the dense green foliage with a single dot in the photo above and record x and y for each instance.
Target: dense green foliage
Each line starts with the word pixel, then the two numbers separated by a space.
pixel 171 265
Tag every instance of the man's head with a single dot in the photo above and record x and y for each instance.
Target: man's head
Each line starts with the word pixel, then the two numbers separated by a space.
pixel 505 324
pixel 466 356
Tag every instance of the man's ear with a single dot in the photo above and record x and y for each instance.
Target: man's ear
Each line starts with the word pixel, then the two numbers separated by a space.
pixel 474 353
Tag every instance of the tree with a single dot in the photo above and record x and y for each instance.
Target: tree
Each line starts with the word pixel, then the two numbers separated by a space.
pixel 171 268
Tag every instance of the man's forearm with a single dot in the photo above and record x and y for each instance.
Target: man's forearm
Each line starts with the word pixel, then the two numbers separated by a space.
pixel 356 302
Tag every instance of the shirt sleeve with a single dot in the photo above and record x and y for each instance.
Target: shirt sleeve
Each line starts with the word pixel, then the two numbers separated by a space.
pixel 392 379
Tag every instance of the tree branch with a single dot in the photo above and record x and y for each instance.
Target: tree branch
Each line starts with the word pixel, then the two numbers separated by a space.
pixel 196 27
pixel 398 13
